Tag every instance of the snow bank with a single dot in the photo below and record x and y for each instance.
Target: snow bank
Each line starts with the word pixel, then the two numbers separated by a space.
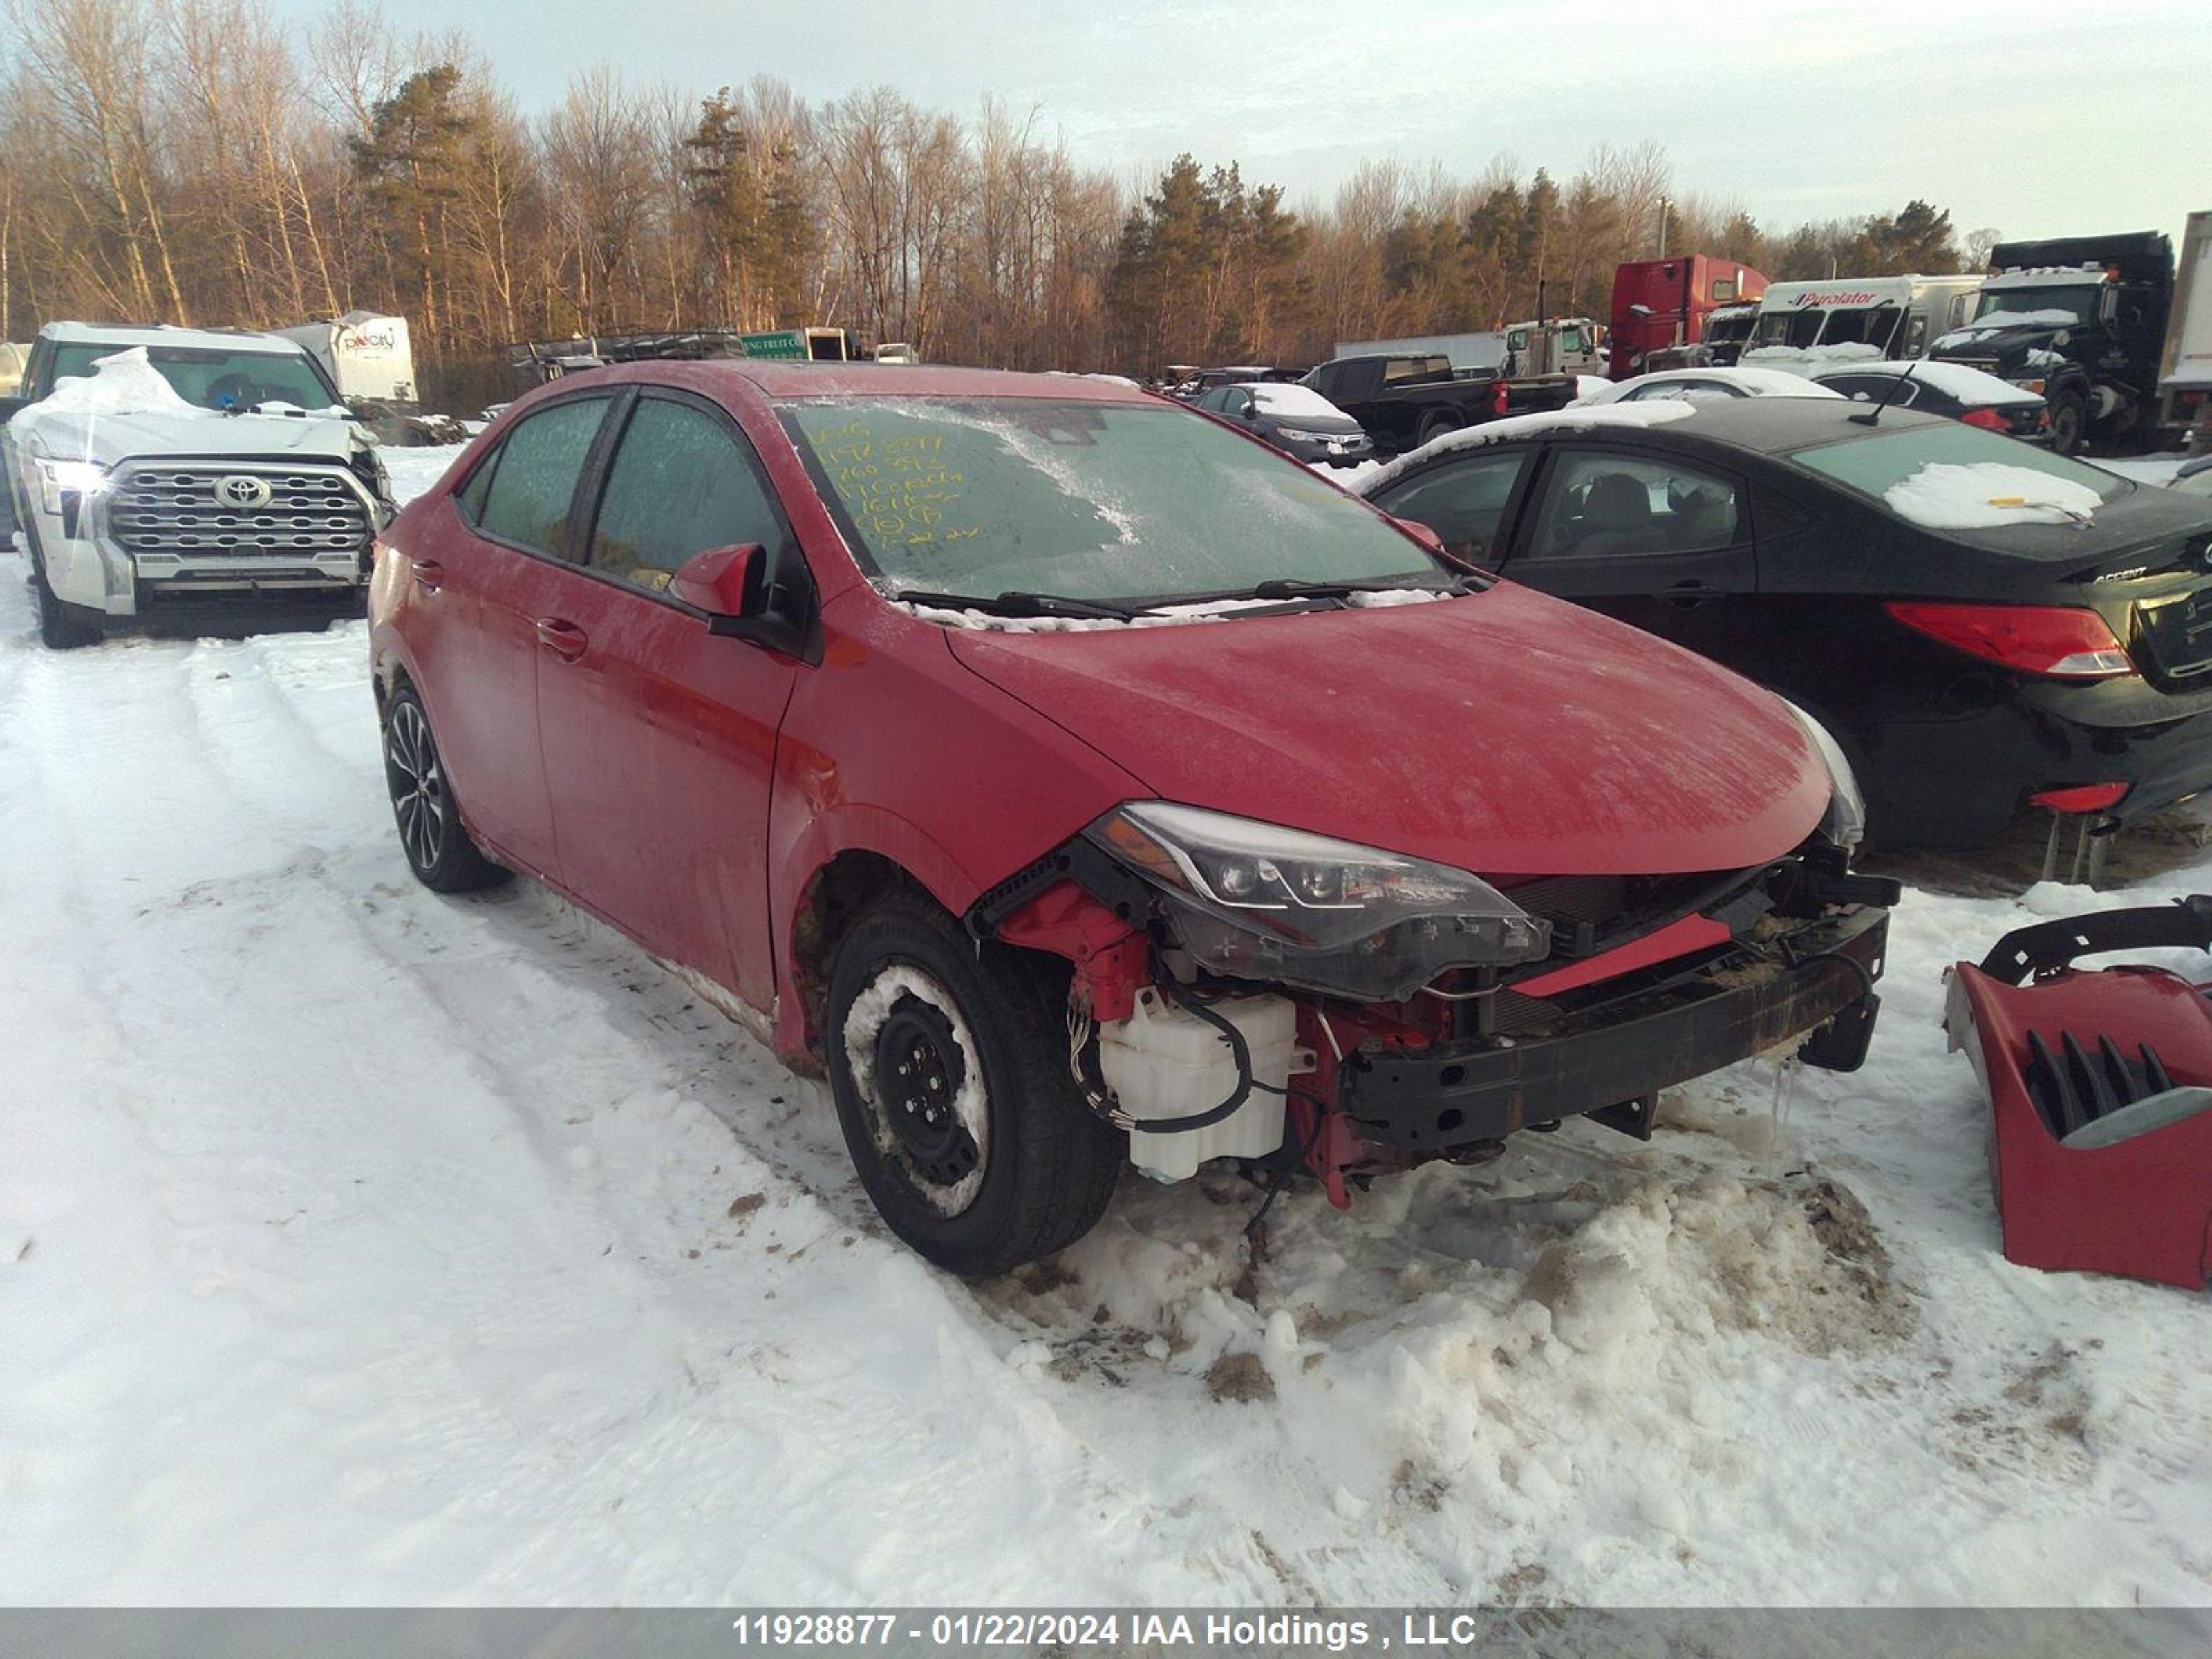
pixel 125 384
pixel 1988 496
pixel 1575 417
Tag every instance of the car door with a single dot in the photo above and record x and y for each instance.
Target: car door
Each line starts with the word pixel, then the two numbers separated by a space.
pixel 1468 499
pixel 659 735
pixel 1661 542
pixel 480 587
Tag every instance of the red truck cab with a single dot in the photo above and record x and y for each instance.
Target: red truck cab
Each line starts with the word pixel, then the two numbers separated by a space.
pixel 1663 303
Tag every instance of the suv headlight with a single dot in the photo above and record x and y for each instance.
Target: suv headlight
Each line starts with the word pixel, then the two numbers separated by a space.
pixel 75 478
pixel 1256 901
pixel 1845 822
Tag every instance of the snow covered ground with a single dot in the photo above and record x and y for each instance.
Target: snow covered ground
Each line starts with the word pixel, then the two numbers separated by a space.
pixel 360 1246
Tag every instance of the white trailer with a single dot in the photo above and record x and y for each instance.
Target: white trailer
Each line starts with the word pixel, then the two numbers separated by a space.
pixel 368 355
pixel 2184 370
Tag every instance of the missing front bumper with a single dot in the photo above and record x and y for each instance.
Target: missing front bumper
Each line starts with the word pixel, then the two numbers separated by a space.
pixel 1430 1099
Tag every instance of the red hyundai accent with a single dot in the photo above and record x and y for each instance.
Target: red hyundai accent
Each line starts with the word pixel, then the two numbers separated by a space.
pixel 1077 782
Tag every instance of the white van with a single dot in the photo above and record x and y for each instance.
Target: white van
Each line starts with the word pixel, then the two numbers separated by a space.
pixel 1804 327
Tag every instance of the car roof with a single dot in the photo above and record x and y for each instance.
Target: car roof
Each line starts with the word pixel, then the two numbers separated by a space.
pixel 1776 426
pixel 204 339
pixel 784 380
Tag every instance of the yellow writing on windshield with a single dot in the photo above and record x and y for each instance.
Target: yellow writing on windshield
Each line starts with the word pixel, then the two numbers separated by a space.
pixel 896 489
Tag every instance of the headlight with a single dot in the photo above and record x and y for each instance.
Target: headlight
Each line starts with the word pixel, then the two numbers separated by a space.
pixel 79 477
pixel 1845 823
pixel 1256 901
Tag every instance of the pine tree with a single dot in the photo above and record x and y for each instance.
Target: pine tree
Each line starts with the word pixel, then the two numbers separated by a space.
pixel 411 160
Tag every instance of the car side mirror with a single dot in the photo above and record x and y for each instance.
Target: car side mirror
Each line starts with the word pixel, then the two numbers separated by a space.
pixel 725 582
pixel 1421 533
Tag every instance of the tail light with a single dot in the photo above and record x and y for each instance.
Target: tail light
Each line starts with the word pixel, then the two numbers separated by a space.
pixel 1987 418
pixel 2080 797
pixel 1497 398
pixel 2056 641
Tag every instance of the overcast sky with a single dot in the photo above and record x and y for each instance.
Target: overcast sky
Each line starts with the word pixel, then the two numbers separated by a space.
pixel 2034 117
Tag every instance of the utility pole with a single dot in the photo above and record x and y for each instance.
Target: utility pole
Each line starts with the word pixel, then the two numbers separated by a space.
pixel 1666 211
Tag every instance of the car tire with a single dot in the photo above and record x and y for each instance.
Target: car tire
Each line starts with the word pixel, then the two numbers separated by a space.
pixel 1434 425
pixel 991 1159
pixel 437 844
pixel 60 629
pixel 2069 424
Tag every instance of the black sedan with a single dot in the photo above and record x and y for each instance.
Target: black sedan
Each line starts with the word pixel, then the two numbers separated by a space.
pixel 1296 419
pixel 1956 390
pixel 1981 624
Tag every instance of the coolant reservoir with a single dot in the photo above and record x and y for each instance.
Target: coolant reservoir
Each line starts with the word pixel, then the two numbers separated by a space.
pixel 1162 1062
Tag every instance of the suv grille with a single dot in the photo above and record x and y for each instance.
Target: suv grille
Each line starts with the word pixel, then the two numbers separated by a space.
pixel 175 510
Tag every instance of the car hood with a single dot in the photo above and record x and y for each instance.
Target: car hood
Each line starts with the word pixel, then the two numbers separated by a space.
pixel 110 438
pixel 1504 732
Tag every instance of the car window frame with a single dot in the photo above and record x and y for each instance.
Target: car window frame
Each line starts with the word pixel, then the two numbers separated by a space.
pixel 1534 456
pixel 781 564
pixel 1554 458
pixel 610 396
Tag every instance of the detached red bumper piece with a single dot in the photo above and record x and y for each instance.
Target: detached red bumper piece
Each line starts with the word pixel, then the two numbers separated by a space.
pixel 2100 1088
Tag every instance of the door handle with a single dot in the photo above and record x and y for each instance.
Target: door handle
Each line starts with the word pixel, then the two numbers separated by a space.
pixel 429 575
pixel 1690 595
pixel 563 639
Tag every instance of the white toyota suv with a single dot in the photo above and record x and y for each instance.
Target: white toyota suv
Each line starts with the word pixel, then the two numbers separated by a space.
pixel 158 472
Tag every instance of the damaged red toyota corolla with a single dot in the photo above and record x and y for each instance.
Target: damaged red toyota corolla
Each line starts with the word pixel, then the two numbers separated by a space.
pixel 1078 781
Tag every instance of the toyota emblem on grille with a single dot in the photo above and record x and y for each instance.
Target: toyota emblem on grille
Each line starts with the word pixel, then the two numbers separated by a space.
pixel 242 490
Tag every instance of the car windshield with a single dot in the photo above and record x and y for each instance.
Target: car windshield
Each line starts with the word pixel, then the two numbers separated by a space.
pixel 1082 501
pixel 1721 329
pixel 1874 464
pixel 214 378
pixel 2067 302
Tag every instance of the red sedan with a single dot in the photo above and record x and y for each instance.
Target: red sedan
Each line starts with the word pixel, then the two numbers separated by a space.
pixel 1077 781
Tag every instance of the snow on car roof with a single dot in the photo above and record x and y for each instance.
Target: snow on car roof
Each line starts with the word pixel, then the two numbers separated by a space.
pixel 1283 398
pixel 1967 385
pixel 1752 382
pixel 1575 417
pixel 125 334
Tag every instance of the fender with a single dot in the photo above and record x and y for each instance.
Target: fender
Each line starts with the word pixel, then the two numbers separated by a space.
pixel 844 826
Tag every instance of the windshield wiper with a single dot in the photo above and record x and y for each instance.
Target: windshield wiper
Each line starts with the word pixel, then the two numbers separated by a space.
pixel 1290 587
pixel 1016 603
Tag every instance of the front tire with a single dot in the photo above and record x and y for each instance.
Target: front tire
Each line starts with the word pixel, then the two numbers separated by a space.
pixel 949 1066
pixel 2069 418
pixel 437 847
pixel 61 627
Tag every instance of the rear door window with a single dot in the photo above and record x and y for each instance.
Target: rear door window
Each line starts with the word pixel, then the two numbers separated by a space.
pixel 534 477
pixel 682 483
pixel 1464 501
pixel 1596 503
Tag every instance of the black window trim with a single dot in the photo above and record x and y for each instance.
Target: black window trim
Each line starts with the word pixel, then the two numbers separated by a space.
pixel 1747 540
pixel 488 462
pixel 1533 457
pixel 791 615
pixel 778 571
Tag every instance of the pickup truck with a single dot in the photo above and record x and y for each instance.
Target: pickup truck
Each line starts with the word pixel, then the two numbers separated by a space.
pixel 1402 401
pixel 152 469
